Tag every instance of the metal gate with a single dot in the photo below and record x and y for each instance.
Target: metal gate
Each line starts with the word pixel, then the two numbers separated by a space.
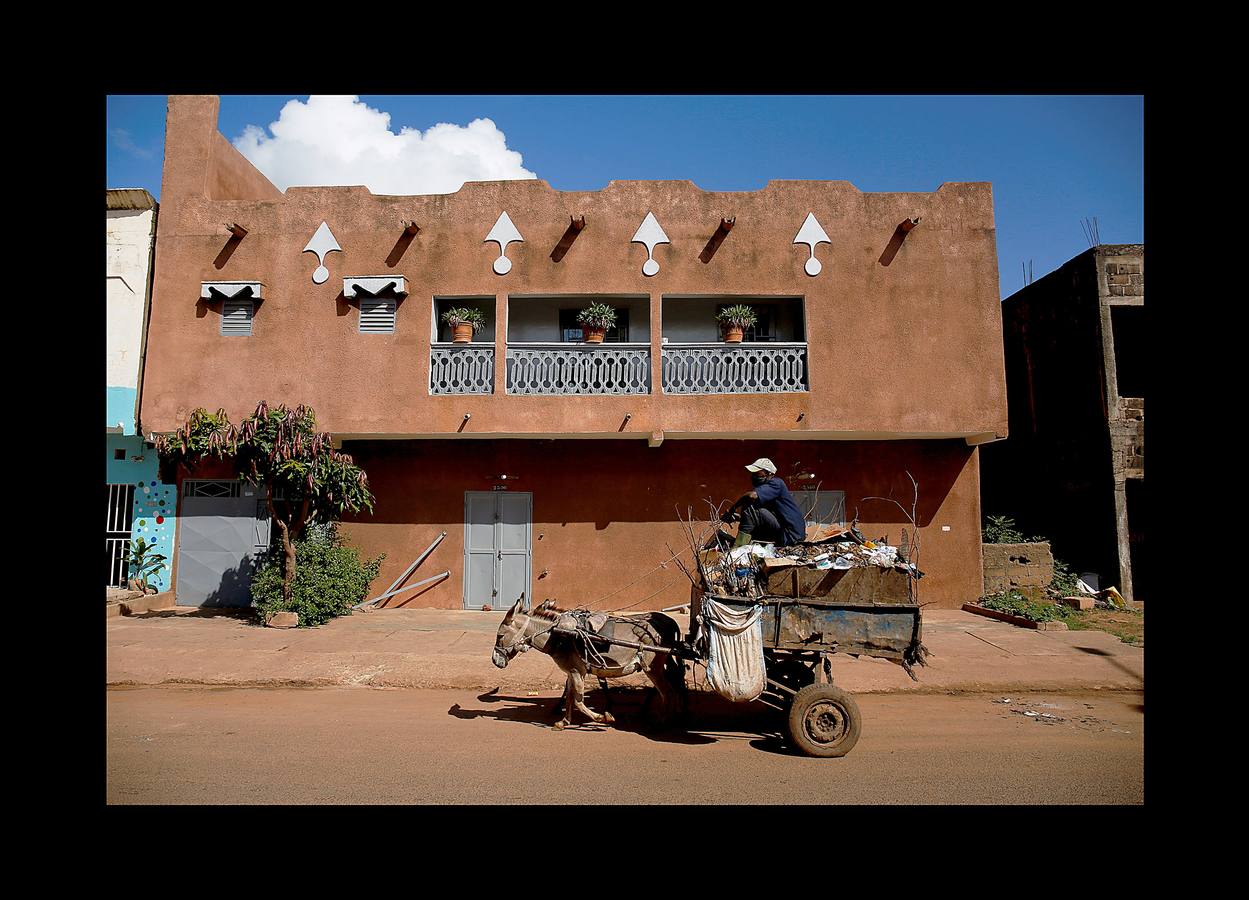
pixel 497 530
pixel 223 533
pixel 119 500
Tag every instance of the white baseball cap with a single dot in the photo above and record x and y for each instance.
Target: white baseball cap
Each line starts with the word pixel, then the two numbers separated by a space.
pixel 762 464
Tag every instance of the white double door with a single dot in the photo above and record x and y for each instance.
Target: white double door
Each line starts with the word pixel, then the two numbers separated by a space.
pixel 498 527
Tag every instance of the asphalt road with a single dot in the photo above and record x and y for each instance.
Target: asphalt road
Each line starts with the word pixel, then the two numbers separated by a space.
pixel 360 745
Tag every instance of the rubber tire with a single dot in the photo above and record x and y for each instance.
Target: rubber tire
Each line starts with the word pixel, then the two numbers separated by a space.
pixel 814 694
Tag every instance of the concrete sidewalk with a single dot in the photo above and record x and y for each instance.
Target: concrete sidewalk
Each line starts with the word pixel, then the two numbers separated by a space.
pixel 436 648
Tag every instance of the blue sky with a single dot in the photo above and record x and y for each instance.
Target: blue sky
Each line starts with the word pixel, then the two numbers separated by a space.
pixel 1052 160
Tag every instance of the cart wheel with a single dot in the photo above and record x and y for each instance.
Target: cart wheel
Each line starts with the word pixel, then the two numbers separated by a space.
pixel 824 721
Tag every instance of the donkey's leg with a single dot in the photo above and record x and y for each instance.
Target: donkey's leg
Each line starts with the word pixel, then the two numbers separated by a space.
pixel 658 676
pixel 579 696
pixel 607 716
pixel 568 703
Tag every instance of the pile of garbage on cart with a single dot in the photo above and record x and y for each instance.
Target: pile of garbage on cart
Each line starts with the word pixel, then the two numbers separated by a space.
pixel 830 557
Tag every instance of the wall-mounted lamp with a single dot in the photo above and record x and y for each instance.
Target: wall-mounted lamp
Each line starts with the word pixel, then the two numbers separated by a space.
pixel 236 229
pixel 801 416
pixel 464 422
pixel 627 417
pixel 505 477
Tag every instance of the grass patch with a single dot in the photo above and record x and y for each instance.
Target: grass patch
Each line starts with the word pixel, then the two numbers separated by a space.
pixel 1128 625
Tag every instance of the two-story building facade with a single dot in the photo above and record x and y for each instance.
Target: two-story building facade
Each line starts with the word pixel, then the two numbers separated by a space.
pixel 558 467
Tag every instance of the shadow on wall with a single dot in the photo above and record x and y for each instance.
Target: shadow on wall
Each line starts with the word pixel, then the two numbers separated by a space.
pixel 574 481
pixel 234 589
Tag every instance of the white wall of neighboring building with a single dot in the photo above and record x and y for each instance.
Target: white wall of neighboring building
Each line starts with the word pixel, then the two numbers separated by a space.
pixel 128 243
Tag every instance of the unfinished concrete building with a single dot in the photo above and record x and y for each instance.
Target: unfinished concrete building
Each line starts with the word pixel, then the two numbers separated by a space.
pixel 1074 467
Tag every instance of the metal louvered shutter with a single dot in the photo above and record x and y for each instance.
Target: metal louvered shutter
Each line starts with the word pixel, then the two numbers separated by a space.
pixel 377 315
pixel 236 317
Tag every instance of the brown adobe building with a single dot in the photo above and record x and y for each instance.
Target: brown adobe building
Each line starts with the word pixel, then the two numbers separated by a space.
pixel 1074 467
pixel 887 360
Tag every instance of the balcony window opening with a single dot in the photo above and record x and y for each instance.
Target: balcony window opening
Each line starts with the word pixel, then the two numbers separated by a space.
pixel 444 332
pixel 700 357
pixel 466 367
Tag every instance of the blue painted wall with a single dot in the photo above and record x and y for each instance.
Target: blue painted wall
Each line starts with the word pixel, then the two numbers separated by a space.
pixel 155 503
pixel 120 408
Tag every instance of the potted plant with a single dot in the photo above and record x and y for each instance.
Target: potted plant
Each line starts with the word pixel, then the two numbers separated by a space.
pixel 144 564
pixel 595 319
pixel 464 321
pixel 735 320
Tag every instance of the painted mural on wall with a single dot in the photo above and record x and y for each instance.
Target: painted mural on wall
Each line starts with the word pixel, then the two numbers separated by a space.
pixel 155 503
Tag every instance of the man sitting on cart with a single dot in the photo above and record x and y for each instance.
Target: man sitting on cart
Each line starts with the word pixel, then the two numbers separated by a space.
pixel 768 513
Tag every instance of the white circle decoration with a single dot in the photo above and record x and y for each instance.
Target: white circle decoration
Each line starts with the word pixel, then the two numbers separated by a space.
pixel 320 275
pixel 502 265
pixel 813 266
pixel 650 267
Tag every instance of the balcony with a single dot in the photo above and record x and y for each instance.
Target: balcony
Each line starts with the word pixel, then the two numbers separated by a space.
pixel 764 368
pixel 461 369
pixel 540 368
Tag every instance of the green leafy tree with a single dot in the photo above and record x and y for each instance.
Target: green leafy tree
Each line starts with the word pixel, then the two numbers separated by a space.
pixel 307 479
pixel 144 562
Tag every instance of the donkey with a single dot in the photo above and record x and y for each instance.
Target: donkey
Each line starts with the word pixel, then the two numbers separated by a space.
pixel 521 630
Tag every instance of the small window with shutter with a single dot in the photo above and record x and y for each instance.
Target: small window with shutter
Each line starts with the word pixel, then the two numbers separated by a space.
pixel 236 317
pixel 377 315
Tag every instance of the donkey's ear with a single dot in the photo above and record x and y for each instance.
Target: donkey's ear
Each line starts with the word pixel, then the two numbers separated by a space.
pixel 516 606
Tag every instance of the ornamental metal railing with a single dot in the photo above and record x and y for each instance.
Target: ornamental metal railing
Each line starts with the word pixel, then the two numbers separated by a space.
pixel 461 369
pixel 557 369
pixel 769 368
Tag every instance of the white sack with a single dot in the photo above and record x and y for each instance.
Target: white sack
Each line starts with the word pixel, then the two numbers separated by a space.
pixel 735 666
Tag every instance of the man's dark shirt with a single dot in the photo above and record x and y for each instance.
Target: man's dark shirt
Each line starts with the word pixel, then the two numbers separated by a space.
pixel 774 496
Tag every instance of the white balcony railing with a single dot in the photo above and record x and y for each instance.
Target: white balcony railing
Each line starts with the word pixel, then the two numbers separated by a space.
pixel 554 368
pixel 461 369
pixel 768 368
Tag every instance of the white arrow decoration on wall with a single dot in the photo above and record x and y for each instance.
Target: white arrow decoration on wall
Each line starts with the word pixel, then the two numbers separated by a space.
pixel 503 233
pixel 650 234
pixel 322 244
pixel 811 234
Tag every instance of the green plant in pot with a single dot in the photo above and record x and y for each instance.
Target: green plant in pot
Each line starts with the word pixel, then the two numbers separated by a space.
pixel 734 320
pixel 595 319
pixel 464 322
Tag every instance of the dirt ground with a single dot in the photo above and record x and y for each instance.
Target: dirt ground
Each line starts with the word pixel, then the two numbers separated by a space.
pixel 1127 625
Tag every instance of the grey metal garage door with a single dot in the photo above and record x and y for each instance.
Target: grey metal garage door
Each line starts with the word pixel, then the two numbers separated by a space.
pixel 223 531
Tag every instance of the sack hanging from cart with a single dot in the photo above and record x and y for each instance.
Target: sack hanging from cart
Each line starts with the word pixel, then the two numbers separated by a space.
pixel 735 664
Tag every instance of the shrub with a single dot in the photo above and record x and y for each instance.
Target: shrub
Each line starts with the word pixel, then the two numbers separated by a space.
pixel 1001 530
pixel 330 579
pixel 1064 581
pixel 1017 604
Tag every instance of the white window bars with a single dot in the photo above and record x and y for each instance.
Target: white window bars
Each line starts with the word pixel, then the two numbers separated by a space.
pixel 461 370
pixel 558 369
pixel 769 368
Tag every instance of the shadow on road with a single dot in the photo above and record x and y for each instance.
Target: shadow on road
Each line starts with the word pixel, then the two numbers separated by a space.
pixel 628 708
pixel 1096 651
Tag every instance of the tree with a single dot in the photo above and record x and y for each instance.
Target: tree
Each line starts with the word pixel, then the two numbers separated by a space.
pixel 307 479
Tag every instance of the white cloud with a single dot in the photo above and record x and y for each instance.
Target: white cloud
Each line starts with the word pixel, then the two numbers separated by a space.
pixel 341 141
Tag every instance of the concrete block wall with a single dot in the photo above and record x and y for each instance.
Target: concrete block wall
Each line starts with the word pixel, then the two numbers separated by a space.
pixel 1125 279
pixel 1127 438
pixel 1027 568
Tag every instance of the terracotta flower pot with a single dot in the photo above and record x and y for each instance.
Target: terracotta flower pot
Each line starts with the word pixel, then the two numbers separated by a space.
pixel 594 335
pixel 463 333
pixel 733 334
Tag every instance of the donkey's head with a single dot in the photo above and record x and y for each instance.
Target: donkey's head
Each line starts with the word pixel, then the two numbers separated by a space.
pixel 510 639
